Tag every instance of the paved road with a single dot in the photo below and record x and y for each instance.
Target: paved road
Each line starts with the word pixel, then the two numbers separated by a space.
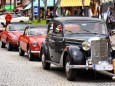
pixel 19 71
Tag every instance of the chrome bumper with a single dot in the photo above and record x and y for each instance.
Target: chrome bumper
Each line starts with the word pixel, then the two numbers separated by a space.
pixel 109 74
pixel 80 66
pixel 35 51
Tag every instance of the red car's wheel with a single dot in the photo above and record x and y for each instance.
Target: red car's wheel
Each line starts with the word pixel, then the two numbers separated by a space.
pixel 3 45
pixel 30 55
pixel 21 52
pixel 9 46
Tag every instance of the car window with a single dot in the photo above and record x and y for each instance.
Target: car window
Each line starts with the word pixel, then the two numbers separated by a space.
pixel 50 28
pixel 57 30
pixel 37 31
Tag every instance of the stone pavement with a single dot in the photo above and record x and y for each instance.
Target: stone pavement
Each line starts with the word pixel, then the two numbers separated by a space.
pixel 19 71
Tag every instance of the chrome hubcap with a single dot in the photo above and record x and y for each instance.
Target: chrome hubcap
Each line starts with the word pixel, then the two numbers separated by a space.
pixel 67 67
pixel 43 58
pixel 7 45
pixel 19 50
pixel 29 53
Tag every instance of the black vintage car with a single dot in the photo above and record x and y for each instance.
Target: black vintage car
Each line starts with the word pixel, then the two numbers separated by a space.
pixel 77 43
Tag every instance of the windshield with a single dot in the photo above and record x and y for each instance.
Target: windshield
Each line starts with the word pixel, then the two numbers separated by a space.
pixel 14 15
pixel 38 32
pixel 18 27
pixel 85 27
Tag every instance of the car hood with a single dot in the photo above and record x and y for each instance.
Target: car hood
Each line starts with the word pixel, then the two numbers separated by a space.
pixel 80 39
pixel 38 39
pixel 17 33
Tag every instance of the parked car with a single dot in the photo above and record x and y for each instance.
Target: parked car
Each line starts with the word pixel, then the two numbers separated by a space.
pixel 77 43
pixel 10 36
pixel 15 18
pixel 30 42
pixel 1 29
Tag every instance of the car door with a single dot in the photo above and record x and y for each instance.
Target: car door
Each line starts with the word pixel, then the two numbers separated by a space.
pixel 56 42
pixel 24 40
pixel 49 40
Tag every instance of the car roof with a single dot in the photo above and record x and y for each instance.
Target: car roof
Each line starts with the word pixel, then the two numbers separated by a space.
pixel 74 18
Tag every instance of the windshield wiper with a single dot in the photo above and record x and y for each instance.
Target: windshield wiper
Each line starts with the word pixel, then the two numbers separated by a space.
pixel 90 31
pixel 69 31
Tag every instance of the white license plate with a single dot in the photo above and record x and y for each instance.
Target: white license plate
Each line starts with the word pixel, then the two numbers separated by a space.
pixel 103 67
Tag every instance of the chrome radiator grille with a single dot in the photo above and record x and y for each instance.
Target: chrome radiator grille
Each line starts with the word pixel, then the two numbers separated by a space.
pixel 99 51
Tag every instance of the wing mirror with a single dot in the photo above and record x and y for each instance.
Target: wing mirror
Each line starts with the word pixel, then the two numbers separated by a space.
pixel 3 24
pixel 112 32
pixel 59 28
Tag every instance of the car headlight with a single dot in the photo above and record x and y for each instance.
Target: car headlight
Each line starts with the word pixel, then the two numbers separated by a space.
pixel 86 45
pixel 35 44
pixel 113 46
pixel 13 37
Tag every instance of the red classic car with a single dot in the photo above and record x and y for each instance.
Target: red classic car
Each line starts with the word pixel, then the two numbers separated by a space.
pixel 1 29
pixel 10 36
pixel 30 42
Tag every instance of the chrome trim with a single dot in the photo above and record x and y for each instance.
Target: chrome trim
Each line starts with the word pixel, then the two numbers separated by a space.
pixel 81 66
pixel 35 51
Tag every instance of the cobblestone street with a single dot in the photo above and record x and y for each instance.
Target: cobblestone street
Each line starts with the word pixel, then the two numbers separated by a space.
pixel 19 71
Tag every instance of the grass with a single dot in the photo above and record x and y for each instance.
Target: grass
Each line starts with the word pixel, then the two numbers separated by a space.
pixel 35 22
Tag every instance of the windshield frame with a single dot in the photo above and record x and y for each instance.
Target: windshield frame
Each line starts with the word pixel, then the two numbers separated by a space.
pixel 37 28
pixel 85 32
pixel 14 27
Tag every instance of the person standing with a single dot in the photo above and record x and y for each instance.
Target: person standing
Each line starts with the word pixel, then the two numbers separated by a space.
pixel 8 18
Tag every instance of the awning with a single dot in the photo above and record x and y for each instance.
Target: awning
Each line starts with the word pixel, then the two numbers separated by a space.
pixel 28 6
pixel 73 3
pixel 50 3
pixel 19 7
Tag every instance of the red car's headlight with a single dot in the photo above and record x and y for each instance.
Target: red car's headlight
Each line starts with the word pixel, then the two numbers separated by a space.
pixel 35 44
pixel 13 37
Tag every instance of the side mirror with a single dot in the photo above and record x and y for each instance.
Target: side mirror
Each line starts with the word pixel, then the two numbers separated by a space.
pixel 3 24
pixel 112 32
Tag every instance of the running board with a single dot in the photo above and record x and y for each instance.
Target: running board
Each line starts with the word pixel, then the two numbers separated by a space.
pixel 57 64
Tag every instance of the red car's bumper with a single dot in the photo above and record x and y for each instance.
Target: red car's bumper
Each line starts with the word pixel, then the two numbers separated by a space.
pixel 35 50
pixel 14 42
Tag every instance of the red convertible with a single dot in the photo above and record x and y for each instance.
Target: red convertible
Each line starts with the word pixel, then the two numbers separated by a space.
pixel 10 36
pixel 30 42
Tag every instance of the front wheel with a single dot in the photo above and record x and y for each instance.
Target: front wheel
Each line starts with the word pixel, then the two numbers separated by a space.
pixel 70 73
pixel 21 52
pixel 9 46
pixel 30 55
pixel 45 64
pixel 3 45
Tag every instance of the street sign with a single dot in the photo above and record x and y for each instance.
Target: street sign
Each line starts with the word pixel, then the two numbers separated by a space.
pixel 35 10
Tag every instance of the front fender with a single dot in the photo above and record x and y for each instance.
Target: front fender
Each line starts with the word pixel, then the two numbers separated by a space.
pixel 44 48
pixel 75 54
